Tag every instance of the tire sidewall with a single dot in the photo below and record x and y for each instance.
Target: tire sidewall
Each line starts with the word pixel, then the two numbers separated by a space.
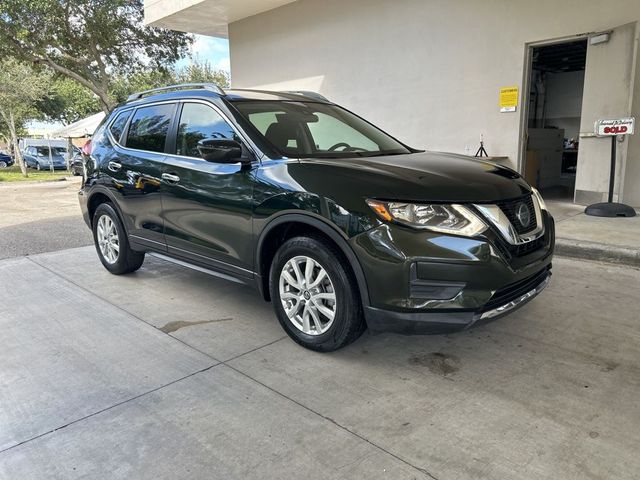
pixel 107 209
pixel 346 299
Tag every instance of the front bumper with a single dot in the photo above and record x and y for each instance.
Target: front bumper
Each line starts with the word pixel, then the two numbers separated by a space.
pixel 422 282
pixel 430 322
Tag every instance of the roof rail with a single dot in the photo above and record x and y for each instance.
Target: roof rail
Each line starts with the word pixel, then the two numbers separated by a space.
pixel 206 86
pixel 308 93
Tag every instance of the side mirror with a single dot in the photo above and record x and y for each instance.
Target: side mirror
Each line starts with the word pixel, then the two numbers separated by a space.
pixel 220 150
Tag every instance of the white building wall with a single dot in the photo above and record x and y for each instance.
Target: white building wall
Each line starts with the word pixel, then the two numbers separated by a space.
pixel 426 71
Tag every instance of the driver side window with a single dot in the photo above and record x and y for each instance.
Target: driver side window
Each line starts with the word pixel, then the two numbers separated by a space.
pixel 328 128
pixel 200 122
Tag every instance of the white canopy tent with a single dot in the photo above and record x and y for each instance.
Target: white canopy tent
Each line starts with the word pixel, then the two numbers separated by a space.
pixel 81 128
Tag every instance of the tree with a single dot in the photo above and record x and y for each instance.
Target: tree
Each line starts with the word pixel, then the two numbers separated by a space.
pixel 202 72
pixel 21 88
pixel 90 41
pixel 68 101
pixel 196 72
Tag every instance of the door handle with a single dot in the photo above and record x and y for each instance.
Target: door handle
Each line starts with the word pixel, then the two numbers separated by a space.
pixel 170 177
pixel 114 166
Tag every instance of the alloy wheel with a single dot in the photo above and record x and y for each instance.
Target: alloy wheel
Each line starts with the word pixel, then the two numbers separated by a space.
pixel 108 239
pixel 307 295
pixel 3 164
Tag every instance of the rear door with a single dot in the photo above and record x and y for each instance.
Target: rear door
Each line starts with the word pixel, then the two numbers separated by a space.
pixel 135 169
pixel 207 206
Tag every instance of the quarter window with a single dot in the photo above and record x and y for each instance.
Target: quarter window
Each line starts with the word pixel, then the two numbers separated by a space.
pixel 149 127
pixel 200 122
pixel 117 126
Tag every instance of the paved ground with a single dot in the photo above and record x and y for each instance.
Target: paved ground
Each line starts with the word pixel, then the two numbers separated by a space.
pixel 40 217
pixel 169 373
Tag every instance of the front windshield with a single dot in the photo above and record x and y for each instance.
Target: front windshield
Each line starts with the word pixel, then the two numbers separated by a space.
pixel 317 130
pixel 54 151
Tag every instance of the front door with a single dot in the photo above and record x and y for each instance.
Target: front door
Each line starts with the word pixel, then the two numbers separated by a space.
pixel 207 206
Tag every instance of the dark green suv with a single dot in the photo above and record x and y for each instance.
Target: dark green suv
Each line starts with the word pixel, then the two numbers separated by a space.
pixel 337 223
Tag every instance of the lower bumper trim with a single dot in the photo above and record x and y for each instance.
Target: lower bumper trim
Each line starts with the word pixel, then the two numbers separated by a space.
pixel 513 304
pixel 434 322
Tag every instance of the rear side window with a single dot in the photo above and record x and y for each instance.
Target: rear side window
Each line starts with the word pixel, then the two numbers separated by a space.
pixel 149 127
pixel 200 122
pixel 117 127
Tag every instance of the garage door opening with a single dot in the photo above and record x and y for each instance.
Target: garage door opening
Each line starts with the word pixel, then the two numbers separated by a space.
pixel 554 113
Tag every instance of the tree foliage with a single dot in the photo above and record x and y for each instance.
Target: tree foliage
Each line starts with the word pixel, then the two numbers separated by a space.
pixel 90 41
pixel 21 88
pixel 67 101
pixel 196 72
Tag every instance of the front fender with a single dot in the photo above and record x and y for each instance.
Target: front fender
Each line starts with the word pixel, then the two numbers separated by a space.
pixel 320 223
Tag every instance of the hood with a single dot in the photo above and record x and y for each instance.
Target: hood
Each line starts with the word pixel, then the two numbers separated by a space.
pixel 419 177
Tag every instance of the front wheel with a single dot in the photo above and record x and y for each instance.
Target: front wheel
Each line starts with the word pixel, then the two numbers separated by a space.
pixel 315 295
pixel 3 164
pixel 38 166
pixel 111 242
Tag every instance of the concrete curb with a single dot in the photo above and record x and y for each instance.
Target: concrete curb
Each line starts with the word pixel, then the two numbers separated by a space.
pixel 566 247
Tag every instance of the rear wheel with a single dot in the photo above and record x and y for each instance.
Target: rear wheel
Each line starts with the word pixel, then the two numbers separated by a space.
pixel 37 166
pixel 111 242
pixel 315 296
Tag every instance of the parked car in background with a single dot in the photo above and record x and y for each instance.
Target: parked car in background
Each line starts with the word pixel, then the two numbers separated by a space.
pixel 77 163
pixel 38 157
pixel 5 160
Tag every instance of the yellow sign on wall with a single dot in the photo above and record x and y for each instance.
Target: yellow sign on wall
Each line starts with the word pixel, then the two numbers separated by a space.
pixel 508 99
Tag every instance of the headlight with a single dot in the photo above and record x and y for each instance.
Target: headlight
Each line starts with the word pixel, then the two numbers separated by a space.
pixel 536 193
pixel 455 219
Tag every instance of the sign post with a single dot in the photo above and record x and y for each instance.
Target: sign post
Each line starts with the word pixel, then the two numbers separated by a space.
pixel 613 129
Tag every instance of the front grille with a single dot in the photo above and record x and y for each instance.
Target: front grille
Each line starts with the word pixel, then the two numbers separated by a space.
pixel 517 289
pixel 510 207
pixel 510 251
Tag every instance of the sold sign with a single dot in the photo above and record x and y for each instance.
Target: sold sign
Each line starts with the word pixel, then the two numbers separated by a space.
pixel 621 126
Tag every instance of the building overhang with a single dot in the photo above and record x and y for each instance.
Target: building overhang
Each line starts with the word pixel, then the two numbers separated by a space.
pixel 206 17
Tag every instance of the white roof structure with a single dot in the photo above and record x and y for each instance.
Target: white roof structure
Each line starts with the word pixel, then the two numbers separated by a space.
pixel 207 17
pixel 81 128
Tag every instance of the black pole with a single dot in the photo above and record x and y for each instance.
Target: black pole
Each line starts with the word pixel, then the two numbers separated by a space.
pixel 612 174
pixel 610 209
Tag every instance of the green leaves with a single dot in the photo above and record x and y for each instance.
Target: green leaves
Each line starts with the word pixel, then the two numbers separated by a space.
pixel 90 41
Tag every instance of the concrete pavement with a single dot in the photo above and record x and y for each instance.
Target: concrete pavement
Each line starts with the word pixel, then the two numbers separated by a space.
pixel 613 240
pixel 37 217
pixel 169 373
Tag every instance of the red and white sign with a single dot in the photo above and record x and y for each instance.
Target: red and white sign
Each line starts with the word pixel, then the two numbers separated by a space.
pixel 620 126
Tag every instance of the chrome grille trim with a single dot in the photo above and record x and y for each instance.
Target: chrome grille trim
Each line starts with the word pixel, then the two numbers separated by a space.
pixel 494 214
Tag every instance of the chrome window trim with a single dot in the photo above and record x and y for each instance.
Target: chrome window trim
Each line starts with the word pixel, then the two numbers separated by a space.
pixel 494 214
pixel 252 147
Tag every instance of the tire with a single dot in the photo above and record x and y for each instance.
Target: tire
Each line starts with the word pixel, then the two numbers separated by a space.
pixel 318 332
pixel 3 164
pixel 125 260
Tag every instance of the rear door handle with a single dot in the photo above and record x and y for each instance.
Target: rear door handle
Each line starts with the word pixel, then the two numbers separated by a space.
pixel 114 166
pixel 170 177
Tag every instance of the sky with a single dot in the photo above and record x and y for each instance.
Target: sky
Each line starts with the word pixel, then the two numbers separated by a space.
pixel 210 49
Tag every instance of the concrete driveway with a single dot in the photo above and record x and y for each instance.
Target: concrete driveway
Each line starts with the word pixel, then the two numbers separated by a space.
pixel 169 373
pixel 38 217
